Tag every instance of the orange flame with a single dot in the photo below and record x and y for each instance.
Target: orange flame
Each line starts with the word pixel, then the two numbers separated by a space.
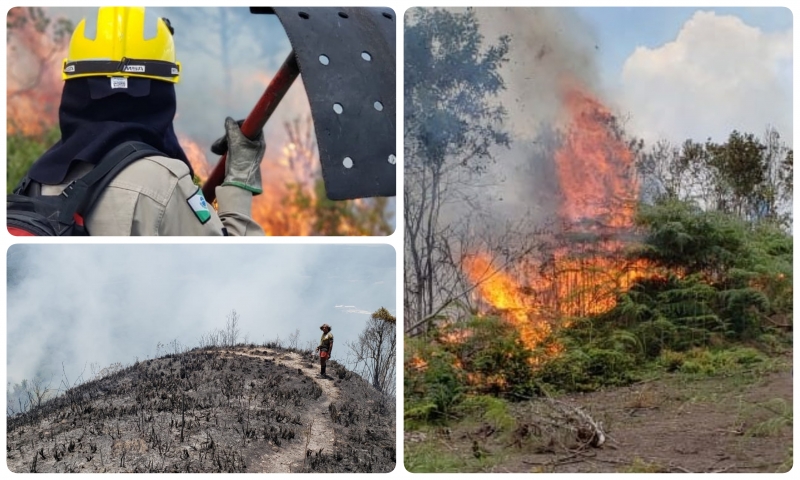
pixel 417 363
pixel 594 167
pixel 503 293
pixel 33 79
pixel 594 164
pixel 197 157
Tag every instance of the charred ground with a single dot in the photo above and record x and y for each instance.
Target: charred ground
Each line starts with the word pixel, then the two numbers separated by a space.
pixel 238 409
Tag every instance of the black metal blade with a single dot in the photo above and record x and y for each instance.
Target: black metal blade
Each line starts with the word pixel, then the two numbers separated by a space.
pixel 356 135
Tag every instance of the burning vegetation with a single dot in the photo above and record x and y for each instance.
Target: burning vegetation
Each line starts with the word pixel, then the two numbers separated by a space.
pixel 610 280
pixel 628 264
pixel 586 267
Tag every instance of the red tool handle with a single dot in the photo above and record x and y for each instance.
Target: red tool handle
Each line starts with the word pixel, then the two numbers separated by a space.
pixel 255 121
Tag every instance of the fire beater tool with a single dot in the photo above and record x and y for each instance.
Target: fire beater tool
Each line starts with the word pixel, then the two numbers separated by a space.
pixel 347 58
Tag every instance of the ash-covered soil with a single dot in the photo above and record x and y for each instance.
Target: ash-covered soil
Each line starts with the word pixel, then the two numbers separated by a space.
pixel 240 409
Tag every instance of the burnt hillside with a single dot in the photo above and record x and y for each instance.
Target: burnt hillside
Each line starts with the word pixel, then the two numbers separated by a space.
pixel 239 409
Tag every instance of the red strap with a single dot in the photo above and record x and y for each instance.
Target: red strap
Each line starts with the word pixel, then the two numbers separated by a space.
pixel 78 220
pixel 18 232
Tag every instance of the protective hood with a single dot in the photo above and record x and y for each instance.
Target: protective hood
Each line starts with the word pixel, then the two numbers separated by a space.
pixel 97 114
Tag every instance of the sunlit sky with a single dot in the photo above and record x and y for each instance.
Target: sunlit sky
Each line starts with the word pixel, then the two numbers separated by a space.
pixel 689 72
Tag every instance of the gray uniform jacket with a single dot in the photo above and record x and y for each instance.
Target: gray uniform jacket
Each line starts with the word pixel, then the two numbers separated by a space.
pixel 152 197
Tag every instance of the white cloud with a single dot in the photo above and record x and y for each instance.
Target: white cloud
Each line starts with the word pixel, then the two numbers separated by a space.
pixel 719 74
pixel 354 309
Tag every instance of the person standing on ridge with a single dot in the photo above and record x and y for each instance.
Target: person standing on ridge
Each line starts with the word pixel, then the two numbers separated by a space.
pixel 119 86
pixel 325 347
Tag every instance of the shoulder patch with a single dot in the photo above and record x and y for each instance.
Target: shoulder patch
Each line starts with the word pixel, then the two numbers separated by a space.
pixel 199 206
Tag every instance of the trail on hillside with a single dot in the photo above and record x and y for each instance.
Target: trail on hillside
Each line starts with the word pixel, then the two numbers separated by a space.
pixel 318 434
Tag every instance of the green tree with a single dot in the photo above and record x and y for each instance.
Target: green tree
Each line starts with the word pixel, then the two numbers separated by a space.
pixel 747 176
pixel 452 122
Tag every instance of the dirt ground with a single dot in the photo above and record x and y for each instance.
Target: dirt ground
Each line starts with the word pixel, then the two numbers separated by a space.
pixel 673 424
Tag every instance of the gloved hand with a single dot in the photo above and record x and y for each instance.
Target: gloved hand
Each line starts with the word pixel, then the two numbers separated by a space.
pixel 220 145
pixel 243 165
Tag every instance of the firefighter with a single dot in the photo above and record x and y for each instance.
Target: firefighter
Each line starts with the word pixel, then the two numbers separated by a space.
pixel 325 347
pixel 119 85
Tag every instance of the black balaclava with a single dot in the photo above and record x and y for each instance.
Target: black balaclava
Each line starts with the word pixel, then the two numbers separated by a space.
pixel 96 115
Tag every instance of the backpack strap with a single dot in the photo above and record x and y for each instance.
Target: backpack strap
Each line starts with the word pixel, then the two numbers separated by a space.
pixel 23 186
pixel 80 195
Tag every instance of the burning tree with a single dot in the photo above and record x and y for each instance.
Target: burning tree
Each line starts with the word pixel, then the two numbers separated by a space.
pixel 583 266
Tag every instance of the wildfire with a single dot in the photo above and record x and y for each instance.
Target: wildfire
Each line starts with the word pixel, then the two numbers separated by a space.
pixel 33 77
pixel 197 156
pixel 503 293
pixel 417 363
pixel 594 167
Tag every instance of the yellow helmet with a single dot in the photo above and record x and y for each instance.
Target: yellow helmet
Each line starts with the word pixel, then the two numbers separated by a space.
pixel 122 42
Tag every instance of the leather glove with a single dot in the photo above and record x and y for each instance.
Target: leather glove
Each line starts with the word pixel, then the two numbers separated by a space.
pixel 243 165
pixel 220 145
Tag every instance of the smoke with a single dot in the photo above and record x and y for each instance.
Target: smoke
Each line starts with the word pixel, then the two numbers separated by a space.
pixel 79 305
pixel 548 47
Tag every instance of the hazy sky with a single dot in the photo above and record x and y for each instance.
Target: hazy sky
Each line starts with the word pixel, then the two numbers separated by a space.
pixel 85 304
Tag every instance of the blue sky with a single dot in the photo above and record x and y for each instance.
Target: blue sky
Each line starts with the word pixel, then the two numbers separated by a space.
pixel 85 304
pixel 620 30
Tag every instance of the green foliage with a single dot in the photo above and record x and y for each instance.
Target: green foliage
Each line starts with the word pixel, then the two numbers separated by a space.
pixel 451 78
pixel 745 176
pixel 734 275
pixel 494 354
pixel 488 359
pixel 22 151
pixel 587 369
pixel 729 361
pixel 432 457
pixel 431 392
pixel 491 409
pixel 346 217
pixel 383 314
pixel 717 281
pixel 681 235
pixel 780 416
pixel 787 464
